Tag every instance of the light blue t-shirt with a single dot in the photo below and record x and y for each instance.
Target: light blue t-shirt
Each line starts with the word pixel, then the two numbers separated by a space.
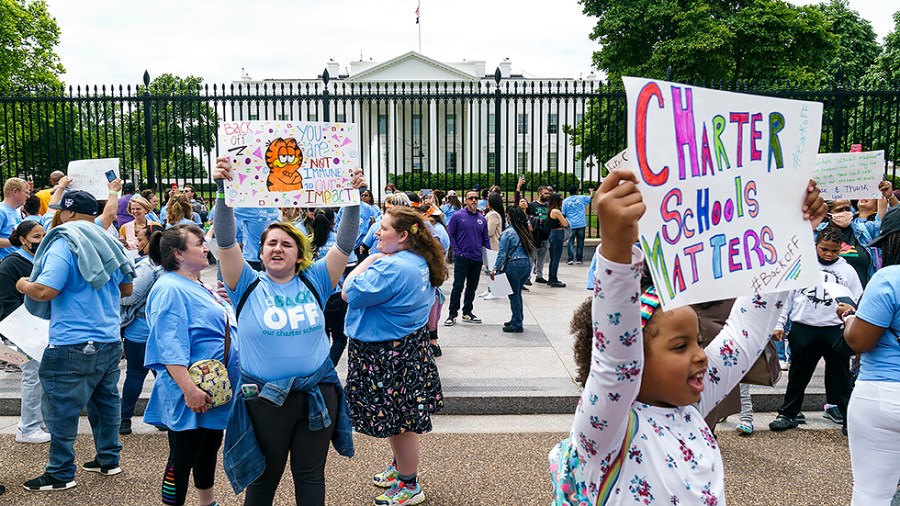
pixel 251 223
pixel 367 215
pixel 43 220
pixel 281 326
pixel 164 213
pixel 323 250
pixel 184 221
pixel 440 232
pixel 9 218
pixel 187 324
pixel 70 322
pixel 390 300
pixel 371 240
pixel 880 306
pixel 573 210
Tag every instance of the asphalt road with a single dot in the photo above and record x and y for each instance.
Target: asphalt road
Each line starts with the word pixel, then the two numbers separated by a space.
pixel 797 468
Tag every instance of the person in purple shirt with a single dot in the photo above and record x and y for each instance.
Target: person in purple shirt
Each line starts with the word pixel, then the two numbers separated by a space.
pixel 468 234
pixel 122 214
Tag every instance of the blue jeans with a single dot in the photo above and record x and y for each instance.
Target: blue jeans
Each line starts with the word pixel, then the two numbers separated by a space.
pixel 574 255
pixel 135 373
pixel 74 377
pixel 517 272
pixel 556 248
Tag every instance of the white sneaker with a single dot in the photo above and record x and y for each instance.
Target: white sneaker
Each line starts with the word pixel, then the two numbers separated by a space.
pixel 36 437
pixel 784 365
pixel 490 296
pixel 485 293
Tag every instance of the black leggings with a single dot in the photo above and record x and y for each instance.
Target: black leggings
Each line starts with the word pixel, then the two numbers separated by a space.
pixel 335 314
pixel 197 450
pixel 286 428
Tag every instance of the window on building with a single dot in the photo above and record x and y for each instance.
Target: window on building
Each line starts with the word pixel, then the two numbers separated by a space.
pixel 284 117
pixel 451 124
pixel 451 162
pixel 522 124
pixel 578 119
pixel 552 160
pixel 417 124
pixel 382 124
pixel 253 117
pixel 552 123
pixel 522 160
pixel 492 162
pixel 340 117
pixel 579 164
pixel 492 124
pixel 312 117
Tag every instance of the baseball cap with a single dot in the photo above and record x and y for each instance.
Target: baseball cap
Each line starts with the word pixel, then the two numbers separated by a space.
pixel 77 201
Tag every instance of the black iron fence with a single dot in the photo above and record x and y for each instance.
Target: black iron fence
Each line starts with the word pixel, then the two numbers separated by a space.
pixel 448 135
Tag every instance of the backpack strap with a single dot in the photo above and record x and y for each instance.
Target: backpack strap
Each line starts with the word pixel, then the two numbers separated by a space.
pixel 312 289
pixel 612 475
pixel 237 309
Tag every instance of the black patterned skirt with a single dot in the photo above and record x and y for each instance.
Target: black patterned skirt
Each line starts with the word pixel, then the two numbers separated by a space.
pixel 393 386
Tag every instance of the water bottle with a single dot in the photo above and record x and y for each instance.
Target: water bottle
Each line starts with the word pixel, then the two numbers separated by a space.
pixel 89 347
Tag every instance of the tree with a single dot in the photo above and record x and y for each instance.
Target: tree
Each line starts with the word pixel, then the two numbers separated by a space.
pixel 183 125
pixel 712 40
pixel 857 44
pixel 887 66
pixel 28 36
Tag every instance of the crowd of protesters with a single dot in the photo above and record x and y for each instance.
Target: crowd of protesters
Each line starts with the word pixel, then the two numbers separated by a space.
pixel 230 373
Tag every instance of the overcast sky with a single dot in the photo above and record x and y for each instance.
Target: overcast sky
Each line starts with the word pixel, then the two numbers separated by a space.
pixel 114 41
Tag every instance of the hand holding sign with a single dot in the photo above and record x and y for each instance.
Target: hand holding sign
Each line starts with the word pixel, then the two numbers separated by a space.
pixel 619 207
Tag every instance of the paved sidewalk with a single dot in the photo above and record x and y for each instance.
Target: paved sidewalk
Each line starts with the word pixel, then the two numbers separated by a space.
pixel 486 371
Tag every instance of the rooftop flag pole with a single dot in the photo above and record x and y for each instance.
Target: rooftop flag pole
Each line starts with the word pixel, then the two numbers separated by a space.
pixel 420 26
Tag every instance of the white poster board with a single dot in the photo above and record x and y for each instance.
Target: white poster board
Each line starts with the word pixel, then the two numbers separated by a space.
pixel 849 175
pixel 290 163
pixel 723 176
pixel 499 286
pixel 90 175
pixel 28 332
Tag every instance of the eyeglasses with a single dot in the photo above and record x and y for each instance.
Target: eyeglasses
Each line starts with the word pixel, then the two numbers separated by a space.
pixel 471 198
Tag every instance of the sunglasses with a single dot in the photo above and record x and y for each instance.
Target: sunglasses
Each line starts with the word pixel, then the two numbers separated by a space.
pixel 471 198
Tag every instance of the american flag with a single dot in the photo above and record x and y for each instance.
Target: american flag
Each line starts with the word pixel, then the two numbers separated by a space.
pixel 417 15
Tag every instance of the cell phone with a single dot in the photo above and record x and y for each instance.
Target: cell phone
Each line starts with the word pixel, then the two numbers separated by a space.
pixel 110 175
pixel 249 390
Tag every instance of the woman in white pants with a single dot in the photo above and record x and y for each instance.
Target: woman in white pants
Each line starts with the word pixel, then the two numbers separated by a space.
pixel 873 421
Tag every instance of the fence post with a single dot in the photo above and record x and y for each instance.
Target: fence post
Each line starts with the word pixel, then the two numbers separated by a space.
pixel 837 123
pixel 669 73
pixel 326 107
pixel 497 77
pixel 148 133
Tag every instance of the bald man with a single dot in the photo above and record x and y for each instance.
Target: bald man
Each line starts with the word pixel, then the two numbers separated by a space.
pixel 44 195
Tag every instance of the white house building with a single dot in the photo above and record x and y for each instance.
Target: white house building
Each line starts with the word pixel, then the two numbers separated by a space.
pixel 421 115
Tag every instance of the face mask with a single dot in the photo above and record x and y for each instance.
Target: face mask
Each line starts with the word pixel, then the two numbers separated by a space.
pixel 33 246
pixel 828 262
pixel 842 219
pixel 388 192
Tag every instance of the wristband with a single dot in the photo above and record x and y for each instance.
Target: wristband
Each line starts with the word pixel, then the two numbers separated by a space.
pixel 220 195
pixel 114 193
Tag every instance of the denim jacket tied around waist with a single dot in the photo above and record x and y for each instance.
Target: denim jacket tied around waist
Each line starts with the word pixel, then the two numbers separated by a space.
pixel 242 458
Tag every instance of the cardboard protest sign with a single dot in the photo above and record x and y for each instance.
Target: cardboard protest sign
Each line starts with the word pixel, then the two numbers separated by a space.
pixel 11 355
pixel 849 175
pixel 90 175
pixel 28 332
pixel 724 176
pixel 290 164
pixel 499 286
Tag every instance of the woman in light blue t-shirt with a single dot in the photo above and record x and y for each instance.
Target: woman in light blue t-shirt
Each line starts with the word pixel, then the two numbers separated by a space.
pixel 392 380
pixel 873 416
pixel 281 332
pixel 188 323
